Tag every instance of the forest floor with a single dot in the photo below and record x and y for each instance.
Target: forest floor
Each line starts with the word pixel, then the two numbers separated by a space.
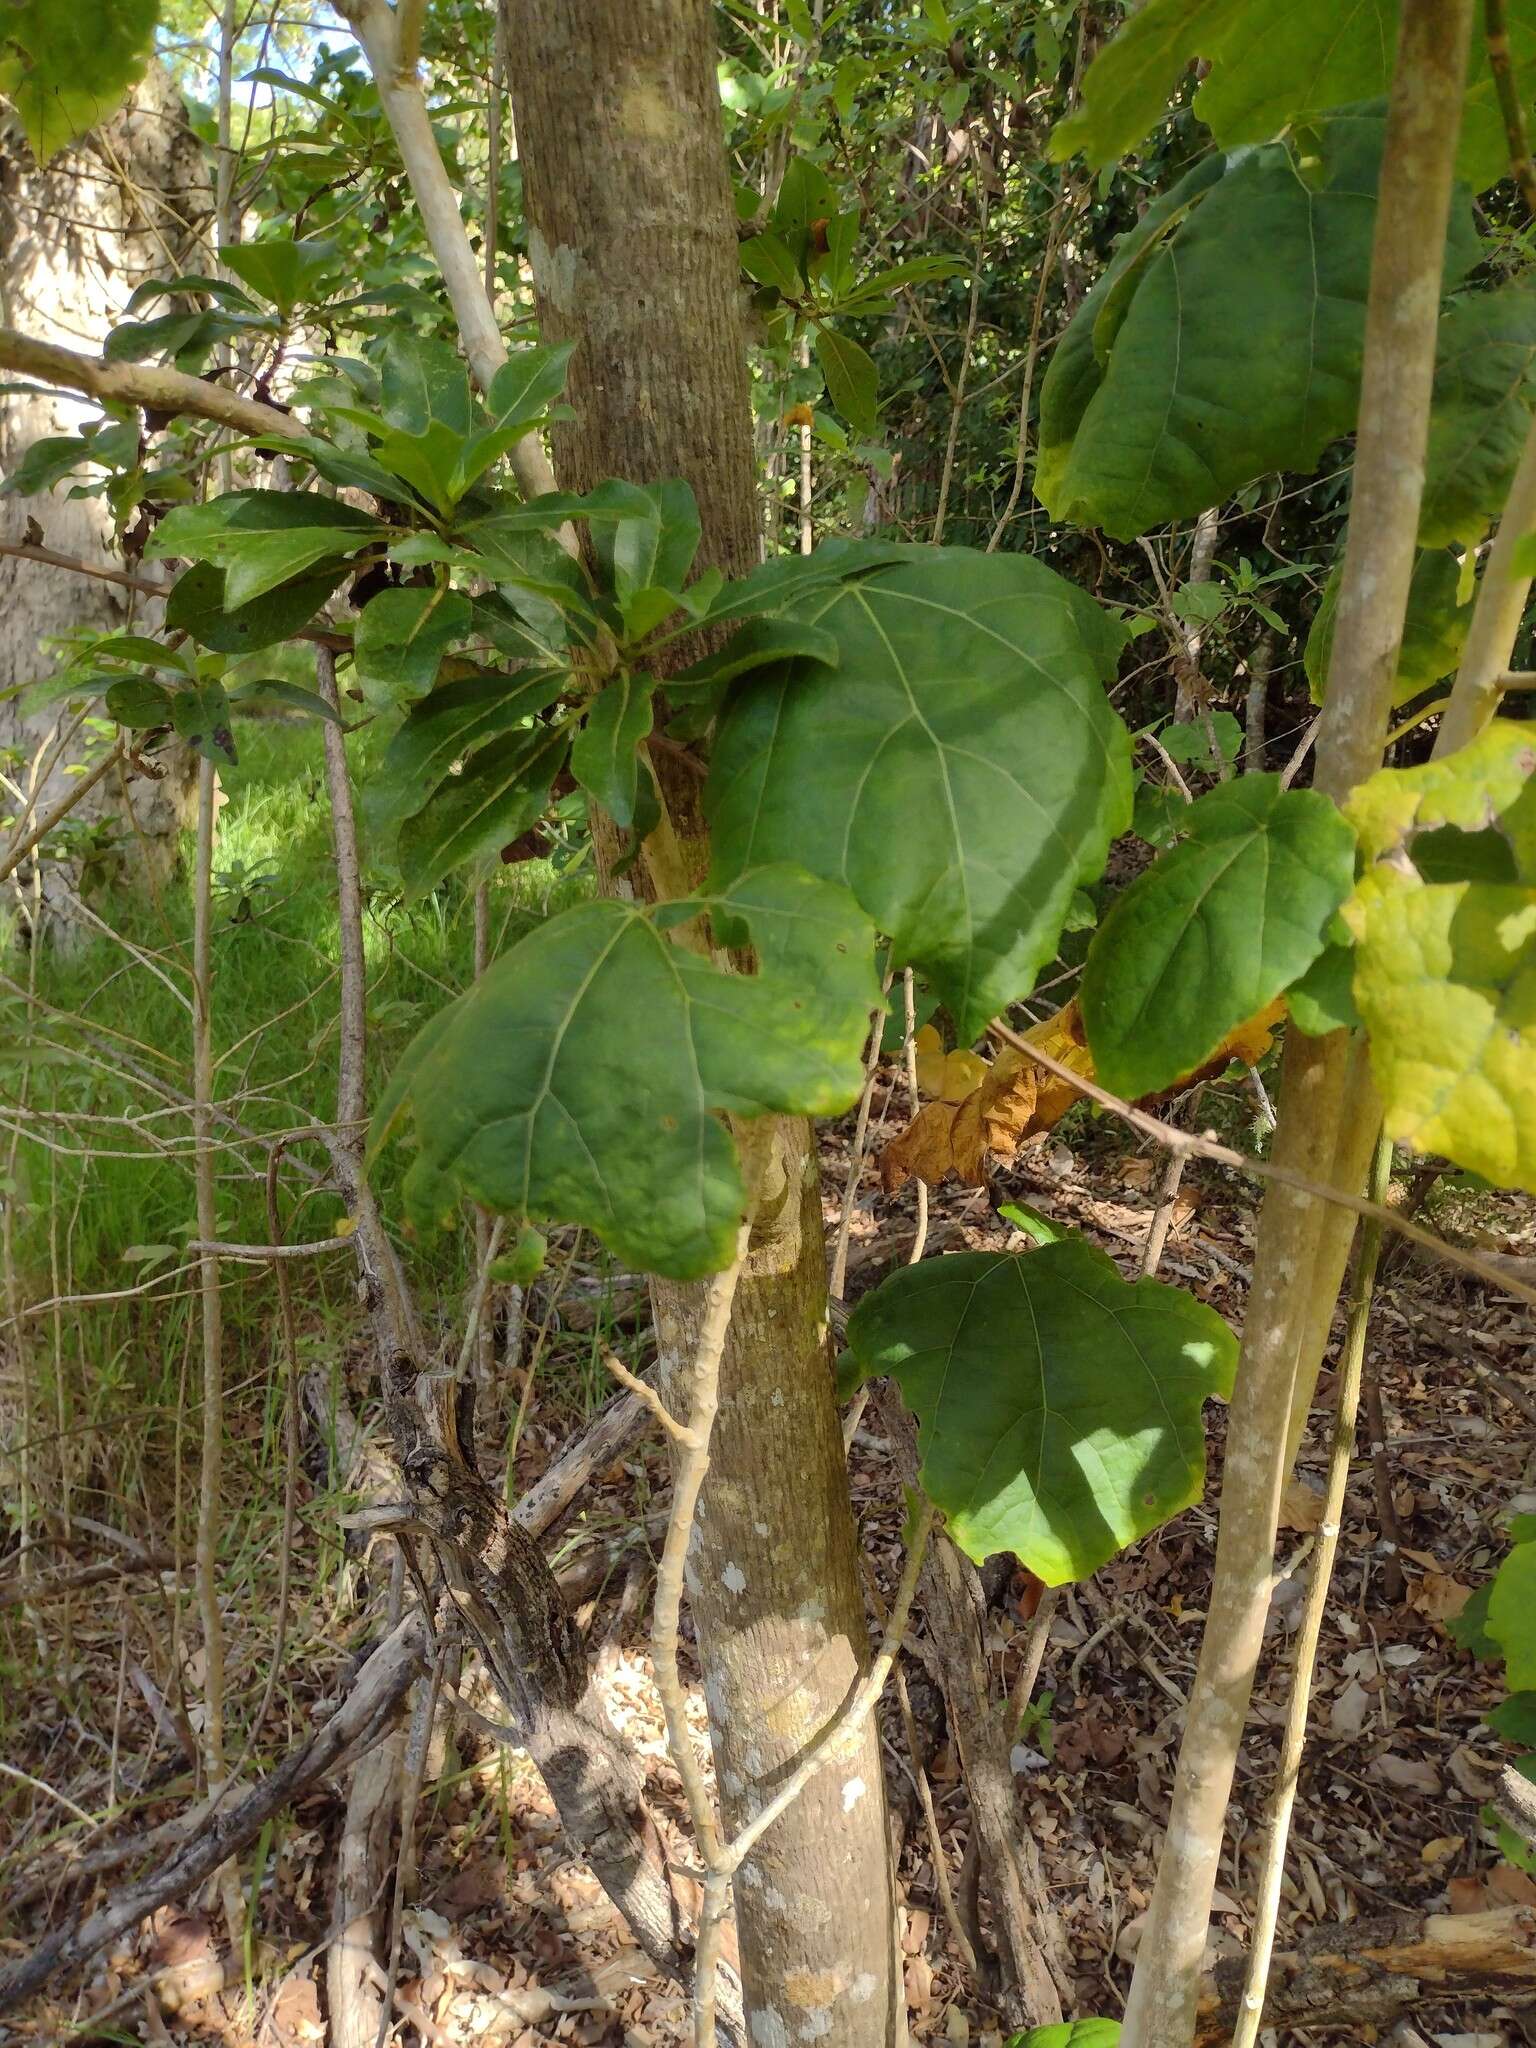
pixel 510 1940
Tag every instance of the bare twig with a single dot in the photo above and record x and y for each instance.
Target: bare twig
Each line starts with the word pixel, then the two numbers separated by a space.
pixel 680 1432
pixel 1202 1145
pixel 1293 1738
pixel 210 1490
pixel 1500 63
pixel 690 1469
pixel 80 788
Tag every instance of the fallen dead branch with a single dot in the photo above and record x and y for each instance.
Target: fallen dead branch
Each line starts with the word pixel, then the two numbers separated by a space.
pixel 1367 1973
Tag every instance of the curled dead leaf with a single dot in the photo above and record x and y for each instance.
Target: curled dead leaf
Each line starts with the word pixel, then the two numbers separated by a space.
pixel 950 1076
pixel 1439 1596
pixel 1301 1507
pixel 944 1137
pixel 1012 1099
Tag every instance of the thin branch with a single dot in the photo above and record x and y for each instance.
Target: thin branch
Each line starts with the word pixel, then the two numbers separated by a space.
pixel 690 1470
pixel 50 558
pixel 680 1432
pixel 1496 34
pixel 839 1737
pixel 1293 1738
pixel 216 1247
pixel 79 789
pixel 909 1058
pixel 1496 615
pixel 210 1486
pixel 1201 1145
pixel 142 384
pixel 1327 1102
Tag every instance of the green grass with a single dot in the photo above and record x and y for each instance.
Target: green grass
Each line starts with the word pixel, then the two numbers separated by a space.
pixel 88 1225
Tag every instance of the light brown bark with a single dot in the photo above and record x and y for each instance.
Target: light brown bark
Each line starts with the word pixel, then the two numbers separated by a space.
pixel 1326 1104
pixel 633 246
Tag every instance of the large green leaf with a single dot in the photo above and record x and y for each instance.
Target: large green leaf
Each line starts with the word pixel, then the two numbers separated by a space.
pixel 1485 388
pixel 1060 1405
pixel 1070 2034
pixel 1214 930
pixel 1445 959
pixel 424 382
pixel 281 270
pixel 961 769
pixel 264 538
pixel 448 726
pixel 64 68
pixel 605 756
pixel 196 606
pixel 580 1080
pixel 1512 1616
pixel 401 638
pixel 1434 629
pixel 1226 342
pixel 1272 64
pixel 500 792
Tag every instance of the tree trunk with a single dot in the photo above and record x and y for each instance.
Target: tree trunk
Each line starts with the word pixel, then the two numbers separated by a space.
pixel 632 242
pixel 76 237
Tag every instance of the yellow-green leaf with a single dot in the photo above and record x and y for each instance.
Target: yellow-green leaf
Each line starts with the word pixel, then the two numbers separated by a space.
pixel 1445 963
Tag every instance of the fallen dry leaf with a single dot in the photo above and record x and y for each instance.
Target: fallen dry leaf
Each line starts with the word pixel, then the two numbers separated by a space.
pixel 950 1076
pixel 1014 1099
pixel 1511 1887
pixel 1439 1596
pixel 1301 1507
pixel 1346 1716
pixel 1441 1848
pixel 1467 1895
pixel 1408 1774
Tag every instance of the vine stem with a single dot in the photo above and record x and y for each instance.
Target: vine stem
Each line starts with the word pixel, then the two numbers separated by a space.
pixel 1293 1738
pixel 1327 1104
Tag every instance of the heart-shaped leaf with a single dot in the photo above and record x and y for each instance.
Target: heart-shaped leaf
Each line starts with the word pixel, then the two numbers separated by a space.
pixel 1060 1405
pixel 581 1079
pixel 960 770
pixel 1226 339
